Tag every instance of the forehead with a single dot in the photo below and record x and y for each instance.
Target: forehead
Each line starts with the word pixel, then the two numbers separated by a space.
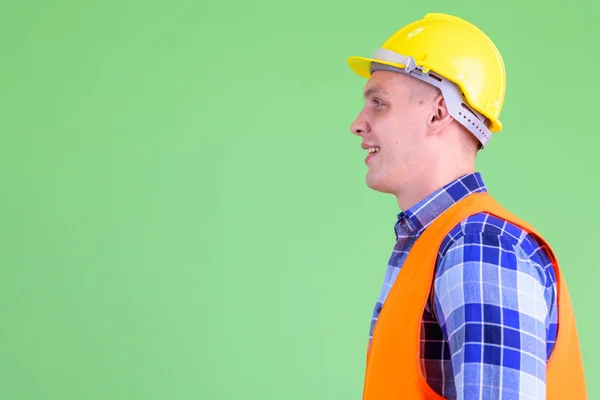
pixel 385 83
pixel 374 89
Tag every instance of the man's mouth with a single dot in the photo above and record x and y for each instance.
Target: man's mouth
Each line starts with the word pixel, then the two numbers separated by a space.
pixel 372 151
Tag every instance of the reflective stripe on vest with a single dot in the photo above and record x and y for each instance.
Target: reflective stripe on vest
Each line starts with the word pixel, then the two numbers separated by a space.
pixel 393 368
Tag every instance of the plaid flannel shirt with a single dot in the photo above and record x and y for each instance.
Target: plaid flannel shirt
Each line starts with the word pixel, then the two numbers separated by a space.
pixel 492 325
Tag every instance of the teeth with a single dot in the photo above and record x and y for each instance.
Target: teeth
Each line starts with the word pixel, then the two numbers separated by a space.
pixel 373 150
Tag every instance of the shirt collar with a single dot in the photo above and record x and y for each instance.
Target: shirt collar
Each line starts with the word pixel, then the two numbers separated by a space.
pixel 413 221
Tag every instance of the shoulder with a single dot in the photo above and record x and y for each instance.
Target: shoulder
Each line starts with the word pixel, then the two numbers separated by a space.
pixel 486 248
pixel 490 236
pixel 482 226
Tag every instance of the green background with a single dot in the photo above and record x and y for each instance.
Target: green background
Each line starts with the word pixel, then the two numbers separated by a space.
pixel 184 213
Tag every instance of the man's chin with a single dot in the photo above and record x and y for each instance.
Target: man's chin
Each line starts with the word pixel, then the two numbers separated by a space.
pixel 379 185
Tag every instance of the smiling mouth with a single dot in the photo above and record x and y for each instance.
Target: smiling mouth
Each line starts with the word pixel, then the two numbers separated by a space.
pixel 372 151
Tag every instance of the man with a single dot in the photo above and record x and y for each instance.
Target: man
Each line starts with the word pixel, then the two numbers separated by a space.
pixel 473 305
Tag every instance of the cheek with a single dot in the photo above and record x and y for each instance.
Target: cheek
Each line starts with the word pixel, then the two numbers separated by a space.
pixel 401 154
pixel 398 135
pixel 401 146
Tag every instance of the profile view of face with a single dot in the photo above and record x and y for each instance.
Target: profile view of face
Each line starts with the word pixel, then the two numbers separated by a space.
pixel 393 127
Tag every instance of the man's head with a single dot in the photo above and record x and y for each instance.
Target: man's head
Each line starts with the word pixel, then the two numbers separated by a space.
pixel 434 94
pixel 407 121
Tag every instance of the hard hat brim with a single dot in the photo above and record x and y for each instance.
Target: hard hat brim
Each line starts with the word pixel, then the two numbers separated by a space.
pixel 362 65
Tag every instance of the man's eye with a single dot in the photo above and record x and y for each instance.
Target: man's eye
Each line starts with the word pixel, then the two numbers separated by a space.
pixel 377 102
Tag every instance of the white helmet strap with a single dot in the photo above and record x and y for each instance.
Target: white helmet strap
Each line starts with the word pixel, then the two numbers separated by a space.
pixel 457 105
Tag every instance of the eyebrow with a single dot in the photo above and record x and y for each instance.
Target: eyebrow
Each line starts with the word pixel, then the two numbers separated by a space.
pixel 374 90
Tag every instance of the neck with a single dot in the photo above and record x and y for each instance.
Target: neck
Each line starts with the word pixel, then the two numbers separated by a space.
pixel 431 178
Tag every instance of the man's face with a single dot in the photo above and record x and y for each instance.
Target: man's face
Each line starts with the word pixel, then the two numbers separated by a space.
pixel 394 120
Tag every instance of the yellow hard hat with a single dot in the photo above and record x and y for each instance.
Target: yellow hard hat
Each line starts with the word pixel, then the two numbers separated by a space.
pixel 453 55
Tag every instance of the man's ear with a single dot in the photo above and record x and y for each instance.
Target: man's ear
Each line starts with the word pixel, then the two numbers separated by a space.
pixel 439 118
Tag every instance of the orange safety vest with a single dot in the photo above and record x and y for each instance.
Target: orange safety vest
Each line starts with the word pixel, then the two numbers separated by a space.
pixel 393 368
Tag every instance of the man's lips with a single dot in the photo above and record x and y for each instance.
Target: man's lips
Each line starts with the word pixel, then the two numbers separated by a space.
pixel 373 151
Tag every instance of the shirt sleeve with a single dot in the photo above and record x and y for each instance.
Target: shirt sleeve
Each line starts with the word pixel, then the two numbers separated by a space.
pixel 489 301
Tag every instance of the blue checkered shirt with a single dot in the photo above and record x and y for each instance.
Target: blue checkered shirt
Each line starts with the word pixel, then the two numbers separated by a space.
pixel 492 324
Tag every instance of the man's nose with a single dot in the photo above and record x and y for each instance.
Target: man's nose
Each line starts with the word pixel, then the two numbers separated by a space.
pixel 360 126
